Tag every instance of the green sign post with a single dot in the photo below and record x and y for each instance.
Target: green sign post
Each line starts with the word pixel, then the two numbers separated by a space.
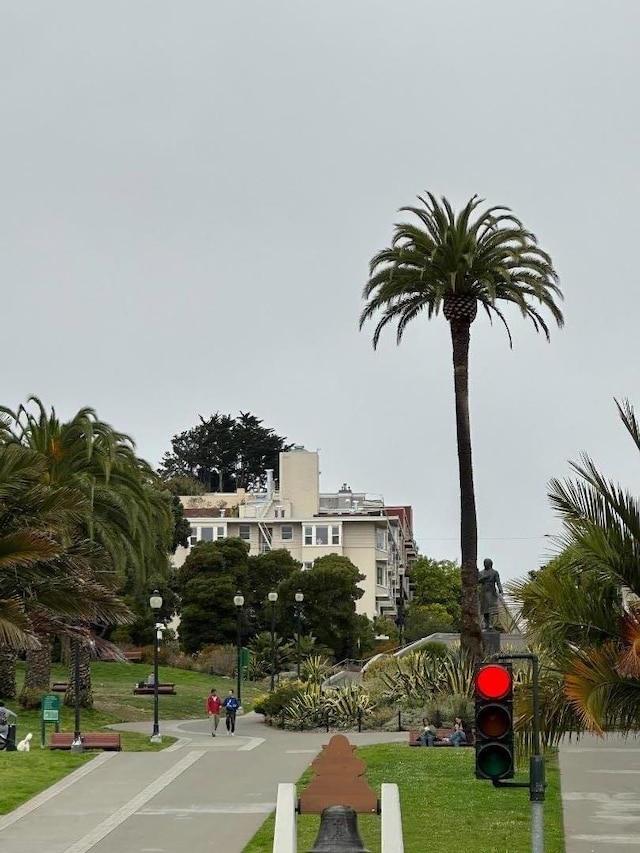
pixel 49 713
pixel 244 661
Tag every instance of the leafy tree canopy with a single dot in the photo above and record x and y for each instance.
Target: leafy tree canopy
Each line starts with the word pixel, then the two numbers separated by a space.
pixel 424 620
pixel 224 452
pixel 208 581
pixel 265 573
pixel 438 582
pixel 330 590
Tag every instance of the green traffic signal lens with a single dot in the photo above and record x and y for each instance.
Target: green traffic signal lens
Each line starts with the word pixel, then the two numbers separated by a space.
pixel 493 721
pixel 494 761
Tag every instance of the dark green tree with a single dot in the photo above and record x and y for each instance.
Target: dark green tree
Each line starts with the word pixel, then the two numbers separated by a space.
pixel 224 453
pixel 265 573
pixel 330 590
pixel 424 620
pixel 438 582
pixel 454 263
pixel 181 526
pixel 207 583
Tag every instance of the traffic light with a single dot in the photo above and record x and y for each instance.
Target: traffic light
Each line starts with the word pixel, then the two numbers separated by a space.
pixel 494 721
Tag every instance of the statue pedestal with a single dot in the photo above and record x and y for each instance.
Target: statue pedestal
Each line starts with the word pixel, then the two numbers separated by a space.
pixel 491 640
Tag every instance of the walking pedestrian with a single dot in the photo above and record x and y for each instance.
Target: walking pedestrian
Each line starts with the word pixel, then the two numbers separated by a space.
pixel 230 704
pixel 214 704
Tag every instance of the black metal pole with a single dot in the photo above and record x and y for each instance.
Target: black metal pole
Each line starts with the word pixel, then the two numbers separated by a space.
pixel 273 645
pixel 156 724
pixel 77 735
pixel 239 648
pixel 298 614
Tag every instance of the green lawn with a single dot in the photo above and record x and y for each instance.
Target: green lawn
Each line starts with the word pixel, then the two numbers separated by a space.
pixel 114 702
pixel 442 801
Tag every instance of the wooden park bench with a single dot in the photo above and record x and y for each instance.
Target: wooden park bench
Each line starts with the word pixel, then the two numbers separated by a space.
pixel 441 734
pixel 90 740
pixel 59 686
pixel 148 689
pixel 134 655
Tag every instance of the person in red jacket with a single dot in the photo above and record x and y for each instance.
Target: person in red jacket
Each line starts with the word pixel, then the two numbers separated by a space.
pixel 213 709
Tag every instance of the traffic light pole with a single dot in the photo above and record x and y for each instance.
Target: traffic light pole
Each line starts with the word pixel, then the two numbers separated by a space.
pixel 536 783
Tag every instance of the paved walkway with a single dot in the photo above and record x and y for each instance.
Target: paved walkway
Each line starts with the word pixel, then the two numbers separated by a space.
pixel 601 794
pixel 203 794
pixel 199 795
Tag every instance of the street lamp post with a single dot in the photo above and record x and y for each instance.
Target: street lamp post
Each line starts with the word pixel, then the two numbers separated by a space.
pixel 76 744
pixel 238 600
pixel 155 602
pixel 273 597
pixel 299 596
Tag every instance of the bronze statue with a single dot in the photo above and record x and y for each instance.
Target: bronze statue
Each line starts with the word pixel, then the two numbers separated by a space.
pixel 490 588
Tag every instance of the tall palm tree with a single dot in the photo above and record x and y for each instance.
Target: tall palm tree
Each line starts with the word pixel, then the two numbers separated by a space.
pixel 456 262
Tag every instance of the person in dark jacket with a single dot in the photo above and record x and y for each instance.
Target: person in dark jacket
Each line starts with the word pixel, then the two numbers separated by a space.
pixel 230 704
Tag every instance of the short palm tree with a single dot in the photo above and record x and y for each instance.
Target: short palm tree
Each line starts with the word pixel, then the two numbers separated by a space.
pixel 601 663
pixel 455 262
pixel 125 513
pixel 45 578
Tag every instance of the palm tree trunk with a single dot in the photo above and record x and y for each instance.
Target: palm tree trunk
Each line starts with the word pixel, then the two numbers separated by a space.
pixel 7 673
pixel 37 675
pixel 86 692
pixel 470 633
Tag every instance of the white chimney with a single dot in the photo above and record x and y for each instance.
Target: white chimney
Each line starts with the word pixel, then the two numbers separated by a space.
pixel 269 473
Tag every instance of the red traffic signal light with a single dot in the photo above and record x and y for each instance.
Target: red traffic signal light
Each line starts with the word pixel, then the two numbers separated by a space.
pixel 494 722
pixel 493 681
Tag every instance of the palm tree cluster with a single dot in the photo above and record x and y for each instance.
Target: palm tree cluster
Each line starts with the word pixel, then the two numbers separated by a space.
pixel 454 262
pixel 583 608
pixel 80 516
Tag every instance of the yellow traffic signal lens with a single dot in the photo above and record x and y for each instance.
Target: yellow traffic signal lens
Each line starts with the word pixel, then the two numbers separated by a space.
pixel 493 721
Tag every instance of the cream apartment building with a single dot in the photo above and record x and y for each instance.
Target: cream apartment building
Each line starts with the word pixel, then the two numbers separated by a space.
pixel 295 515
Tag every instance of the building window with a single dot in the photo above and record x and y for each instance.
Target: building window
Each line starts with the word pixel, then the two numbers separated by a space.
pixel 209 534
pixel 381 576
pixel 322 534
pixel 307 566
pixel 244 532
pixel 193 535
pixel 381 539
pixel 286 532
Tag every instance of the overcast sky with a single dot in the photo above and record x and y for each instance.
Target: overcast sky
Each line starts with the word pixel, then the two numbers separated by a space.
pixel 191 193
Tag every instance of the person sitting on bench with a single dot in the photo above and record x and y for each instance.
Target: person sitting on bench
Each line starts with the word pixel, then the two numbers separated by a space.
pixel 428 735
pixel 458 735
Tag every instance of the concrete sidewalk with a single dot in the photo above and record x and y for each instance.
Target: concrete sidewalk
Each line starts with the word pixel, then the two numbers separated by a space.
pixel 601 793
pixel 201 794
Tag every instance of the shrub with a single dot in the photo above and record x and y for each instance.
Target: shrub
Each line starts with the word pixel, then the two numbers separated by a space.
pixel 30 698
pixel 307 709
pixel 217 660
pixel 314 670
pixel 180 660
pixel 349 703
pixel 272 704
